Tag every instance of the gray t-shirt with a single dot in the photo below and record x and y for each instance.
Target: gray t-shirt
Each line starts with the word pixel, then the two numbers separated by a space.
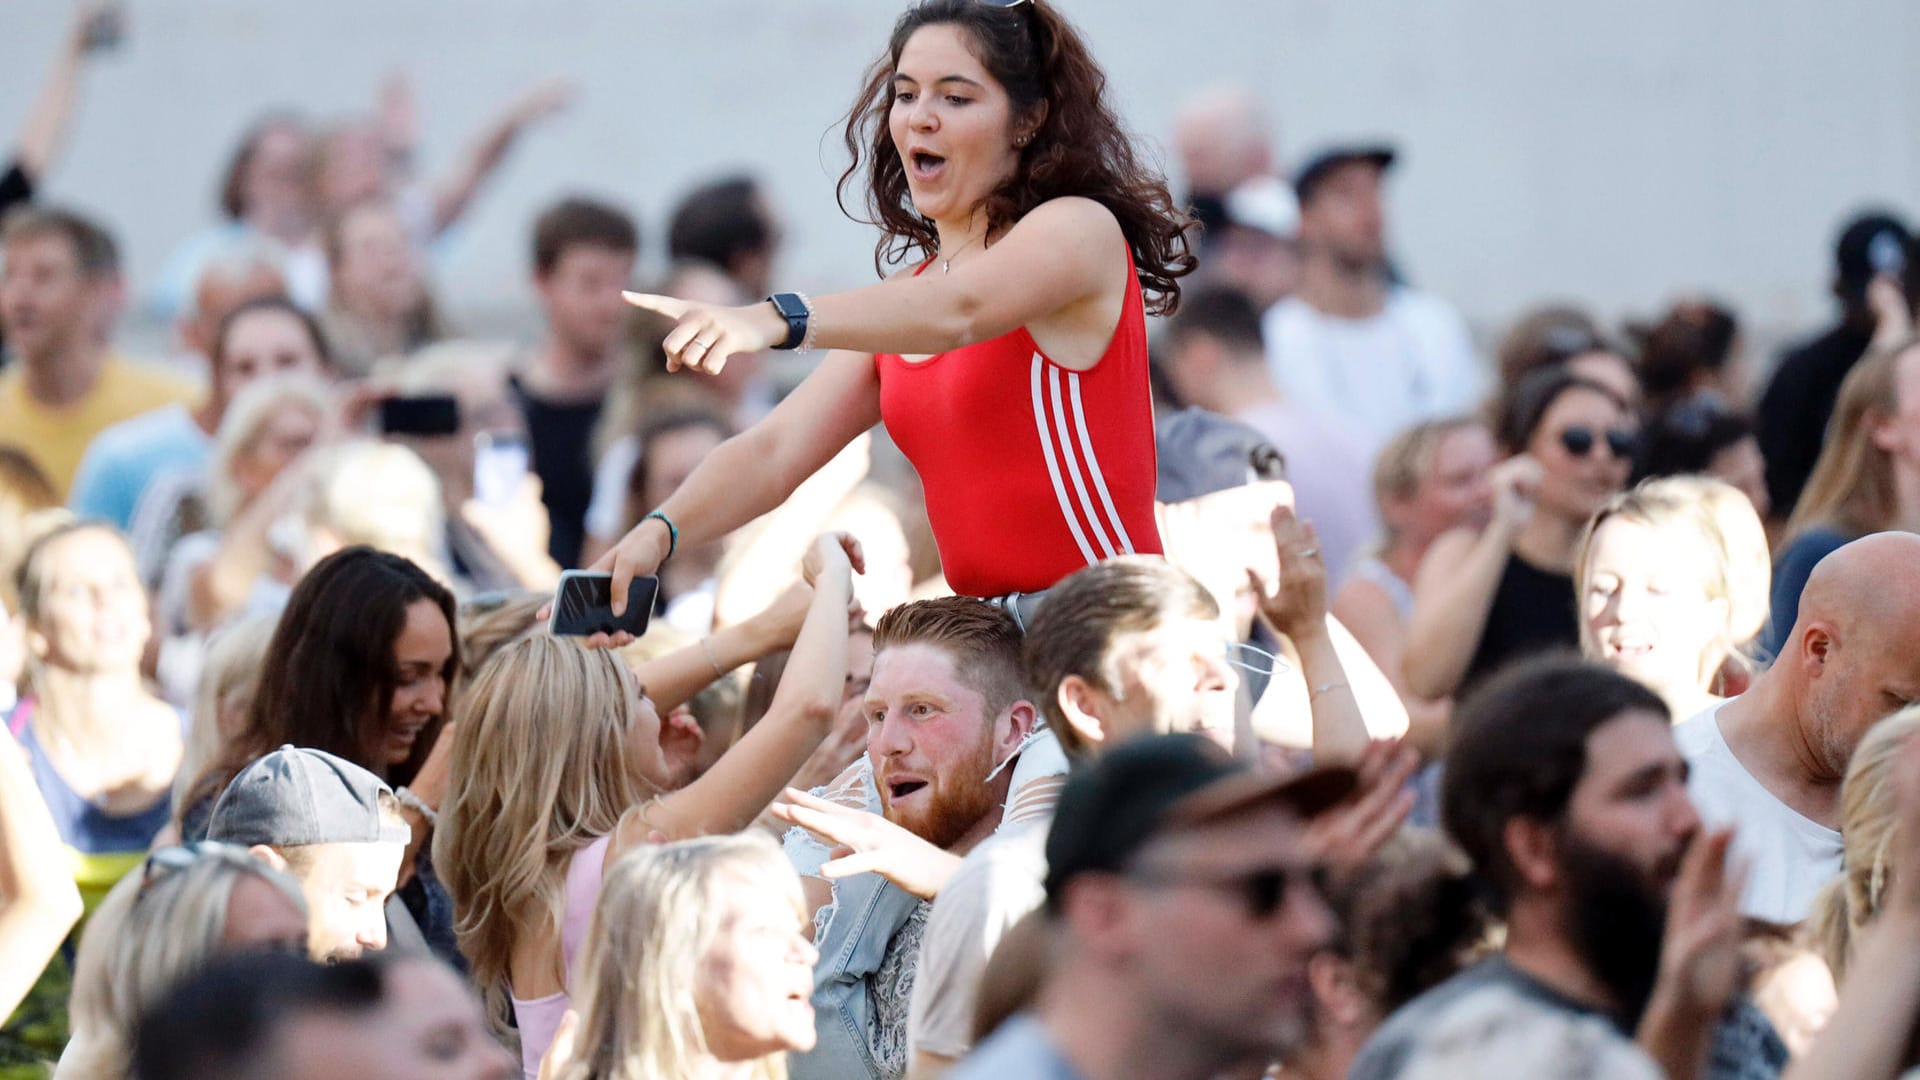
pixel 1020 1050
pixel 1494 1017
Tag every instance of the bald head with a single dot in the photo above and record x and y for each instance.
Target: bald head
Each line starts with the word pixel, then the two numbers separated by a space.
pixel 1870 587
pixel 1223 139
pixel 1854 655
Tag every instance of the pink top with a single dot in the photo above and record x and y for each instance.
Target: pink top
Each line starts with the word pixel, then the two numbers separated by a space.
pixel 539 1019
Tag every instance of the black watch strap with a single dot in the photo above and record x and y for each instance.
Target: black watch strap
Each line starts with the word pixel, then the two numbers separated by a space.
pixel 794 308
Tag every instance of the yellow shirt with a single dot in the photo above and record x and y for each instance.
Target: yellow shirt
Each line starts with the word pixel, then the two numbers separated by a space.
pixel 56 436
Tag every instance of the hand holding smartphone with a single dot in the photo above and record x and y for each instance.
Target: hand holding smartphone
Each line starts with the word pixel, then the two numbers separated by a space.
pixel 584 605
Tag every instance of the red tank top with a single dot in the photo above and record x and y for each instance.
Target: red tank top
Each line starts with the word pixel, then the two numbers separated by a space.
pixel 1031 470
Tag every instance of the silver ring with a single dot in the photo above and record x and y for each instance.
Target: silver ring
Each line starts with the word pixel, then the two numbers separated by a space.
pixel 703 344
pixel 1309 552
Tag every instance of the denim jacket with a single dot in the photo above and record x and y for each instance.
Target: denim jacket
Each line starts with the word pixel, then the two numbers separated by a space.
pixel 867 911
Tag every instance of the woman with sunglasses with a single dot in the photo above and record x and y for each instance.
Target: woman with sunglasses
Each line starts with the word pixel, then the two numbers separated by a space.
pixel 1484 598
pixel 162 922
pixel 1007 355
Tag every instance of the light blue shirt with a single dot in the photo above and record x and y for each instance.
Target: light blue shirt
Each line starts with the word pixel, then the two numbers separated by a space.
pixel 125 458
pixel 1020 1050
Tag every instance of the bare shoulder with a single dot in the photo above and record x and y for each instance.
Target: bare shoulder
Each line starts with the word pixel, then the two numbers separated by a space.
pixel 1447 551
pixel 1074 214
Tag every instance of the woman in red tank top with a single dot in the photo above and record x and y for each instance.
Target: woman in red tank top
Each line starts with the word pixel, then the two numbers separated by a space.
pixel 1007 355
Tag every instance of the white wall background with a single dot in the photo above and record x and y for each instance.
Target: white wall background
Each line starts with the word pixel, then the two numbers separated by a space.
pixel 1615 152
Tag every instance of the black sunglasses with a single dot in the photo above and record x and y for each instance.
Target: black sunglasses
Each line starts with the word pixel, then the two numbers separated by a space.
pixel 1579 441
pixel 1262 892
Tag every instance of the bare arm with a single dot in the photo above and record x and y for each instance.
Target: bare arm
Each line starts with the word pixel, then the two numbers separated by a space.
pixel 1370 616
pixel 754 471
pixel 1453 592
pixel 1298 609
pixel 455 191
pixel 40 901
pixel 1055 271
pixel 52 112
pixel 746 778
pixel 674 678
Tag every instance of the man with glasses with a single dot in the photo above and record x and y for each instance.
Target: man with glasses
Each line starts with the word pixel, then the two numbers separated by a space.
pixel 1183 906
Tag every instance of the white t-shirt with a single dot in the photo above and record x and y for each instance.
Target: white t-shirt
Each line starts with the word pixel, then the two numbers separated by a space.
pixel 1789 856
pixel 1413 361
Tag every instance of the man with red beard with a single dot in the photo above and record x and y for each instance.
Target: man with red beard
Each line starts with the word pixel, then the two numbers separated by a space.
pixel 946 707
pixel 1566 789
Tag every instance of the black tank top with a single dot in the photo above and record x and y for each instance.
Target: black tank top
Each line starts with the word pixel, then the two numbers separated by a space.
pixel 1533 611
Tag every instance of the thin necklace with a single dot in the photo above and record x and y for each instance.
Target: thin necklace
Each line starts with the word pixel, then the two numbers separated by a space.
pixel 946 262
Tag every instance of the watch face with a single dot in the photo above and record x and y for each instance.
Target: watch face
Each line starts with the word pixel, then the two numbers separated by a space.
pixel 788 305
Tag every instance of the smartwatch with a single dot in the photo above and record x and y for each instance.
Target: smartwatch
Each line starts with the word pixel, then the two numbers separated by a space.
pixel 793 308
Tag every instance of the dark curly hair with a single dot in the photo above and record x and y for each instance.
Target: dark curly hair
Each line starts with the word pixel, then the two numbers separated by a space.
pixel 1080 147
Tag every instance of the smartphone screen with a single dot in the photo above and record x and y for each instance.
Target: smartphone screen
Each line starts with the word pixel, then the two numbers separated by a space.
pixel 500 464
pixel 434 414
pixel 584 604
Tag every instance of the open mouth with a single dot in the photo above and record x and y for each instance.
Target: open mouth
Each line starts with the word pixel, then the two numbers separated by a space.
pixel 900 789
pixel 925 165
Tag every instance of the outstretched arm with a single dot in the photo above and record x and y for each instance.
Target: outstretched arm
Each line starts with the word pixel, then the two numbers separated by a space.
pixel 1057 266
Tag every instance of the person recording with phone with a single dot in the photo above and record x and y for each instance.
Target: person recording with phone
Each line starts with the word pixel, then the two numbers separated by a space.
pixel 1485 598
pixel 557 770
pixel 1033 241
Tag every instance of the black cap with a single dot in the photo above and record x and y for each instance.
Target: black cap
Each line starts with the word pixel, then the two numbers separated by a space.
pixel 1113 805
pixel 1871 243
pixel 1321 165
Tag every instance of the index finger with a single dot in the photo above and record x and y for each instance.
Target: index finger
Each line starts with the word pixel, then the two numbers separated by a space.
pixel 671 307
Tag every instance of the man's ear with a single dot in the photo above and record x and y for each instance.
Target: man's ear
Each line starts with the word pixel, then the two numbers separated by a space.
pixel 1333 987
pixel 1080 704
pixel 1533 847
pixel 269 856
pixel 1017 724
pixel 1816 646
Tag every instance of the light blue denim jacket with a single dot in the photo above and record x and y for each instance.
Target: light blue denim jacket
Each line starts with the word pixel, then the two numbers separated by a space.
pixel 867 911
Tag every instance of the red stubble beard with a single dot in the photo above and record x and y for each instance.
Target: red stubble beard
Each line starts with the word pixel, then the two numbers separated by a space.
pixel 954 800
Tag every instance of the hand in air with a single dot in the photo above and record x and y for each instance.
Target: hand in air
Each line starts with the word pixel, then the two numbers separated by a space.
pixel 1344 837
pixel 1700 953
pixel 705 337
pixel 833 556
pixel 869 843
pixel 1515 482
pixel 1296 605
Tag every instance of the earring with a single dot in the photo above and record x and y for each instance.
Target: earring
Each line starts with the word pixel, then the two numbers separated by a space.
pixel 1021 141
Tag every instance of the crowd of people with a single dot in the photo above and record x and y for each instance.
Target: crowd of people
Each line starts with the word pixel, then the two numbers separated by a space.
pixel 1154 639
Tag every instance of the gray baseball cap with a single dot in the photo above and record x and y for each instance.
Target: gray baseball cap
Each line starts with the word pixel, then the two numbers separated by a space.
pixel 1201 452
pixel 296 796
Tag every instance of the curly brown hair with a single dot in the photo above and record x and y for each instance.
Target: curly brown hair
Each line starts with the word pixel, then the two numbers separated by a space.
pixel 1079 148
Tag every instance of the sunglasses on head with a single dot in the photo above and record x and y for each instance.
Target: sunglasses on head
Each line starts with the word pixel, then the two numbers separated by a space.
pixel 1262 893
pixel 164 862
pixel 1580 442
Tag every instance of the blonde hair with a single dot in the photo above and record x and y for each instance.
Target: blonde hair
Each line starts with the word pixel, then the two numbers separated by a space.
pixel 485 623
pixel 1404 461
pixel 1674 509
pixel 145 938
pixel 246 421
pixel 382 495
pixel 230 674
pixel 1852 488
pixel 1749 559
pixel 28 504
pixel 539 771
pixel 660 910
pixel 1869 827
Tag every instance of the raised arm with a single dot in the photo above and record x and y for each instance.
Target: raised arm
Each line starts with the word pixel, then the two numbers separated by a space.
pixel 52 112
pixel 1453 593
pixel 676 677
pixel 454 192
pixel 1297 607
pixel 747 777
pixel 38 900
pixel 754 471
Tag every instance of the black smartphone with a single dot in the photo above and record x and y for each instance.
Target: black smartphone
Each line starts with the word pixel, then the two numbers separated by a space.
pixel 584 604
pixel 431 414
